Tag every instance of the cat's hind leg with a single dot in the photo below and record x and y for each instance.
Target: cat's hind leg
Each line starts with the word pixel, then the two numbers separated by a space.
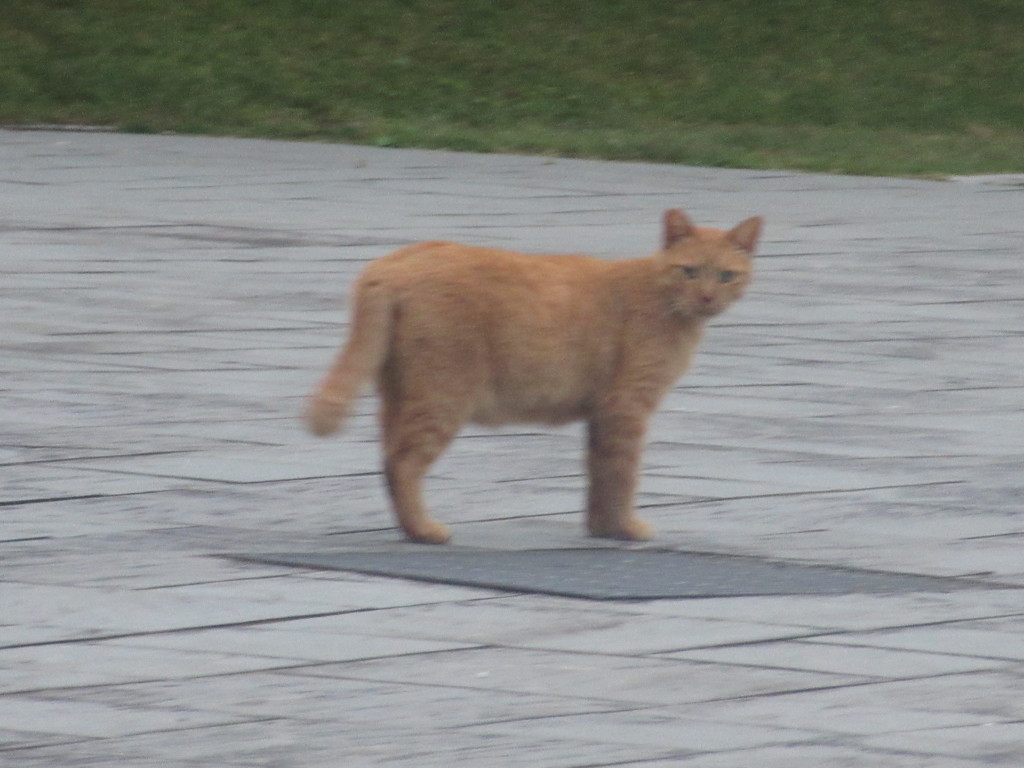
pixel 415 433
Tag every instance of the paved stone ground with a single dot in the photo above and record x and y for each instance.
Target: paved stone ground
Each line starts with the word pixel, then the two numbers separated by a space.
pixel 165 305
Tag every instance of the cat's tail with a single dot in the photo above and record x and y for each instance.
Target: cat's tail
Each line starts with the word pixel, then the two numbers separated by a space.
pixel 358 362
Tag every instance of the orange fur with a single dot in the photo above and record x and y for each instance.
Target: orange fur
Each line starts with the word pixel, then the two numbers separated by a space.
pixel 453 334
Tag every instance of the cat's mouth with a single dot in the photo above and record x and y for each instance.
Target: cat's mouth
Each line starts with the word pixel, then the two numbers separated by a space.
pixel 701 307
pixel 698 308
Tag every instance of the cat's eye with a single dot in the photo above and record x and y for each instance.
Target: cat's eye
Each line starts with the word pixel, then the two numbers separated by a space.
pixel 689 273
pixel 727 276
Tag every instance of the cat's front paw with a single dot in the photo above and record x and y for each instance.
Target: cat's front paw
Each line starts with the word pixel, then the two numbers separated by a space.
pixel 631 529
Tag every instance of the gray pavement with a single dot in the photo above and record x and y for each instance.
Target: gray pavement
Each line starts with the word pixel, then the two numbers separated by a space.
pixel 166 303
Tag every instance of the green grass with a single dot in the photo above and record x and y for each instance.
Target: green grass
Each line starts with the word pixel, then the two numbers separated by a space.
pixel 860 86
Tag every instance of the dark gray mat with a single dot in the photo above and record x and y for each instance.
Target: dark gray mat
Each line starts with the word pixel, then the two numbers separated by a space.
pixel 616 574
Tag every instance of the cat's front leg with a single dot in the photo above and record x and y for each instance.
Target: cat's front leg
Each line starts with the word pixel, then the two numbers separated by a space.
pixel 615 445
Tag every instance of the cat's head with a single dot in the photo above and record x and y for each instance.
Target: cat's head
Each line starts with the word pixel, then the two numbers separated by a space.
pixel 705 270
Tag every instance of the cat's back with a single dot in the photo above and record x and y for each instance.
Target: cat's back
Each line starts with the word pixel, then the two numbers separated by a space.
pixel 535 333
pixel 441 262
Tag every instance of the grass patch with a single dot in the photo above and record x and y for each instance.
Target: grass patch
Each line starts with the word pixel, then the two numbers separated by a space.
pixel 876 86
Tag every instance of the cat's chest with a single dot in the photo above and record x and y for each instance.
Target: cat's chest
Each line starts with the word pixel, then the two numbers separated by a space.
pixel 562 378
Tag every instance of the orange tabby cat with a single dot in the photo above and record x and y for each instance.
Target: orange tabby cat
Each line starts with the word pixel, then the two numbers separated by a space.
pixel 452 334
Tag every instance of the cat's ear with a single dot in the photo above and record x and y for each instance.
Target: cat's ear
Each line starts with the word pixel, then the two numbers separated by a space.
pixel 745 234
pixel 678 227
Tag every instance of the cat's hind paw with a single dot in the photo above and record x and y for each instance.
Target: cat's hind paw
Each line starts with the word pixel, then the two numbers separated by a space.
pixel 430 532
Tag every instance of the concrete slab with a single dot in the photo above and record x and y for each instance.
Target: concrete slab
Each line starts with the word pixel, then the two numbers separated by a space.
pixel 843 659
pixel 70 719
pixel 167 303
pixel 622 683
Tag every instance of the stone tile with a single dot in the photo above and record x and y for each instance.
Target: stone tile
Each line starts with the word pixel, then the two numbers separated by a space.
pixel 972 640
pixel 816 756
pixel 104 609
pixel 841 659
pixel 14 742
pixel 501 620
pixel 654 728
pixel 843 712
pixel 276 742
pixel 663 635
pixel 286 645
pixel 620 681
pixel 843 614
pixel 854 410
pixel 989 743
pixel 134 570
pixel 29 483
pixel 71 719
pixel 367 705
pixel 58 666
pixel 990 696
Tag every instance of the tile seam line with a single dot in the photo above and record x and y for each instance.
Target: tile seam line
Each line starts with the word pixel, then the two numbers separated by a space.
pixel 80 497
pixel 65 740
pixel 785 494
pixel 986 657
pixel 281 669
pixel 225 625
pixel 146 454
pixel 74 464
pixel 662 706
pixel 619 705
pixel 242 720
pixel 853 633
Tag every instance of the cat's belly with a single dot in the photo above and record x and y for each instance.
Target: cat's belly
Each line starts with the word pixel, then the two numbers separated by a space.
pixel 523 405
pixel 498 417
pixel 539 383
